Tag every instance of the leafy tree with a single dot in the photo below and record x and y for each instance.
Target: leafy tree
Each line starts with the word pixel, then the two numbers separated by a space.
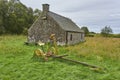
pixel 85 29
pixel 106 31
pixel 3 15
pixel 15 17
pixel 36 13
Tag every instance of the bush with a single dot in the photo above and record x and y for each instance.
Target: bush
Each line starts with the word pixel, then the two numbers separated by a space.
pixel 2 30
pixel 116 35
pixel 90 35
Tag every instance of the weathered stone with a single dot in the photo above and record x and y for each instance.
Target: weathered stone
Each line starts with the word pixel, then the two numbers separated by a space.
pixel 65 30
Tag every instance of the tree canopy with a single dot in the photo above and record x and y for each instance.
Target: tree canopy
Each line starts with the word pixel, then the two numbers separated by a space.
pixel 106 31
pixel 15 17
pixel 85 29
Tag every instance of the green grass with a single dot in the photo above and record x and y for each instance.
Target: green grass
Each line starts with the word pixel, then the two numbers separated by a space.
pixel 16 62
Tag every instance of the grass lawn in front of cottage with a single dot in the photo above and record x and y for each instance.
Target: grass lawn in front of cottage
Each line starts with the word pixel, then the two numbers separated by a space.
pixel 16 62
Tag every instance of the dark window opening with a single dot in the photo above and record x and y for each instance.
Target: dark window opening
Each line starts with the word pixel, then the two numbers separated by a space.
pixel 71 37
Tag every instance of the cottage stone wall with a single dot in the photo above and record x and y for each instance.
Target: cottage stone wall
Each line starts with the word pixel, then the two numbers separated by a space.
pixel 74 37
pixel 50 23
pixel 43 28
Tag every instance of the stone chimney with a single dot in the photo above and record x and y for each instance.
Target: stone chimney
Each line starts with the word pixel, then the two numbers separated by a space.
pixel 45 7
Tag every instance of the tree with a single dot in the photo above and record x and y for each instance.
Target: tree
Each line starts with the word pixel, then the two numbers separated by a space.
pixel 3 15
pixel 36 13
pixel 15 17
pixel 19 17
pixel 85 29
pixel 106 31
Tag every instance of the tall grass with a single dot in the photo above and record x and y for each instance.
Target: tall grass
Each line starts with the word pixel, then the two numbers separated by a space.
pixel 99 46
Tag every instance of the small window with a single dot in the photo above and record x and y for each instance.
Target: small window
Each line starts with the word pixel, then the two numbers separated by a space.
pixel 71 37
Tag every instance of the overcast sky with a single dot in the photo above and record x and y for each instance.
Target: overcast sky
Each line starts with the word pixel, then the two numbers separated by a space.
pixel 95 14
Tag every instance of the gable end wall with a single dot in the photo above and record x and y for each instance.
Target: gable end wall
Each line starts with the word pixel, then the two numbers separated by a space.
pixel 42 29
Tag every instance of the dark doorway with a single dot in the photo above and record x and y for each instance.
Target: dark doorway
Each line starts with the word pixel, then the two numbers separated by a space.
pixel 71 37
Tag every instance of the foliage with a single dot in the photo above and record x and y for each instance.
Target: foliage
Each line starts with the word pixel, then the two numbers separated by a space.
pixel 116 35
pixel 106 31
pixel 3 11
pixel 85 29
pixel 16 62
pixel 92 33
pixel 37 12
pixel 15 17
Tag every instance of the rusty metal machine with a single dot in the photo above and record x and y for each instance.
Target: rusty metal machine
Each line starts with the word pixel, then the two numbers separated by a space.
pixel 52 52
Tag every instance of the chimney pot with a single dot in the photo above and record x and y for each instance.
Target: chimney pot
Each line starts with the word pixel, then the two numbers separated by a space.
pixel 45 7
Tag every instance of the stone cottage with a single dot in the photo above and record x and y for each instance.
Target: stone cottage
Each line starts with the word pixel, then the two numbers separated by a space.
pixel 66 31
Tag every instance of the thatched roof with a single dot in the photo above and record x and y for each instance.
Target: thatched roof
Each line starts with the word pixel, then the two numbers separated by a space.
pixel 65 23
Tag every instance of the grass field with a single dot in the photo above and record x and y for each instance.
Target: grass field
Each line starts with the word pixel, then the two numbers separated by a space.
pixel 16 62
